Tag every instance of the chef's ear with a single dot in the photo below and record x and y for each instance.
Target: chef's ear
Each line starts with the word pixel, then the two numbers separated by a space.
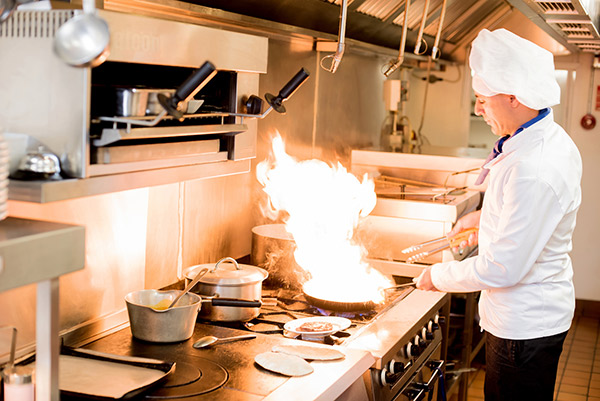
pixel 514 102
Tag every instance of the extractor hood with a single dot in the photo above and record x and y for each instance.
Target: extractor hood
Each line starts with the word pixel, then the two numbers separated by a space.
pixel 572 23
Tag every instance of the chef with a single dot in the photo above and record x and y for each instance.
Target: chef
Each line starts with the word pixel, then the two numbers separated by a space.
pixel 526 223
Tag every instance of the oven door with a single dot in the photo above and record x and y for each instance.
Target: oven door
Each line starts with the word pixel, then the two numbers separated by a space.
pixel 426 383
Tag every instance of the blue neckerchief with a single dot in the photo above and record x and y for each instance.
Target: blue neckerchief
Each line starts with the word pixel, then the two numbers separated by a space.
pixel 498 146
pixel 541 114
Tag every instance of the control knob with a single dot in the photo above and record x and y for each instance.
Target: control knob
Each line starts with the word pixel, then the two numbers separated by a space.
pixel 396 367
pixel 426 334
pixel 393 371
pixel 418 345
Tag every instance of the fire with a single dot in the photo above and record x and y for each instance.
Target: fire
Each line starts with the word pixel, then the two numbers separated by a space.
pixel 323 205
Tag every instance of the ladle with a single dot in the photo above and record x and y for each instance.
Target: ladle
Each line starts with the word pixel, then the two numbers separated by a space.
pixel 189 286
pixel 6 9
pixel 208 340
pixel 83 40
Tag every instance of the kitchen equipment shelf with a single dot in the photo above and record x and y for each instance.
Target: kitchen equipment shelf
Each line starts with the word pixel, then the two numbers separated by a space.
pixel 111 135
pixel 51 191
pixel 60 249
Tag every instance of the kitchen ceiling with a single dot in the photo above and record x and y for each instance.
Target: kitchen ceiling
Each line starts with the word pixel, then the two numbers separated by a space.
pixel 572 23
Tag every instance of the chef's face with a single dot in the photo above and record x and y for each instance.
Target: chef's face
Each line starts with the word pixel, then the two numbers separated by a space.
pixel 497 111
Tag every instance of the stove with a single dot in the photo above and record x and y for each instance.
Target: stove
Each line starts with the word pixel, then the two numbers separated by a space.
pixel 391 353
pixel 284 305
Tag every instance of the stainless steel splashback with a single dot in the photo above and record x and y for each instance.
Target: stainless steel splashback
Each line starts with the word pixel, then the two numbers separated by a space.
pixel 53 102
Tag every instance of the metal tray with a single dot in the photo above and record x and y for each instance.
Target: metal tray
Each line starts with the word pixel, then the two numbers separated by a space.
pixel 84 374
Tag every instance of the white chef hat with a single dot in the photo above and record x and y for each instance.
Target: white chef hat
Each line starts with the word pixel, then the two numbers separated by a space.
pixel 503 62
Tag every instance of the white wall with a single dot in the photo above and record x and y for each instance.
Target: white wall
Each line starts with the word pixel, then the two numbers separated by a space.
pixel 586 262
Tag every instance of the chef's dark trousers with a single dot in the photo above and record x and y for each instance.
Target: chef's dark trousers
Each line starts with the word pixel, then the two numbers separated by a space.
pixel 521 369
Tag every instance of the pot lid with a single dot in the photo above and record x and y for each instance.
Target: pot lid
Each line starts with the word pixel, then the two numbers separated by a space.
pixel 228 272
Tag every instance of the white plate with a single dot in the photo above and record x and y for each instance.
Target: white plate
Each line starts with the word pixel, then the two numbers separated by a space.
pixel 338 323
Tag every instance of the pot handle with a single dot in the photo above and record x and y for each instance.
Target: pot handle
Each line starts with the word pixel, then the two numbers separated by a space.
pixel 227 259
pixel 242 303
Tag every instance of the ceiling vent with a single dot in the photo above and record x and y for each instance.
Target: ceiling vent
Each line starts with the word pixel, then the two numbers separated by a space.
pixel 574 22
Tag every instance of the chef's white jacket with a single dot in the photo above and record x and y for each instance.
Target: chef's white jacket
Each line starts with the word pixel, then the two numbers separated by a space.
pixel 523 268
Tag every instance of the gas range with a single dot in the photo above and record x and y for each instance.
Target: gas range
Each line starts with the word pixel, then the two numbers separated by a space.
pixel 387 351
pixel 281 306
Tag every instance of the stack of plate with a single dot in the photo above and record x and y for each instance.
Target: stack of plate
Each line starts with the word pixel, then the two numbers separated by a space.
pixel 4 163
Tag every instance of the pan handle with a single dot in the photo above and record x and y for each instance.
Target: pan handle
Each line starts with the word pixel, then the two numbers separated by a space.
pixel 241 303
pixel 188 89
pixel 287 91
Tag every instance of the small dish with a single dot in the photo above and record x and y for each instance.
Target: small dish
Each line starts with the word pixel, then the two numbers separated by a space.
pixel 337 323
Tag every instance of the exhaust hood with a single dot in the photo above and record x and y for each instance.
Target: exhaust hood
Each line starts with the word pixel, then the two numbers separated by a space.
pixel 572 23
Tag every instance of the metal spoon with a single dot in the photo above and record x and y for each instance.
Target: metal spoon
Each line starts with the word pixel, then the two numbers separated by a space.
pixel 208 340
pixel 189 286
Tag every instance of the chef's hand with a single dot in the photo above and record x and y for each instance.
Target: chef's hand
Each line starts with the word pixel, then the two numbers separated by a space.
pixel 471 220
pixel 423 282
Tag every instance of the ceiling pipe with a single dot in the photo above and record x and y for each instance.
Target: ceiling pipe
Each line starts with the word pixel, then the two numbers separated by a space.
pixel 398 62
pixel 421 29
pixel 337 57
pixel 435 50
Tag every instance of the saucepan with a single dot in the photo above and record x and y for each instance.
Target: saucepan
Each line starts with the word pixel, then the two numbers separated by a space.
pixel 152 319
pixel 227 279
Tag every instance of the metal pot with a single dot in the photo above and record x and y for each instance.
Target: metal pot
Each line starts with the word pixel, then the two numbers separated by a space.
pixel 228 279
pixel 166 325
pixel 273 249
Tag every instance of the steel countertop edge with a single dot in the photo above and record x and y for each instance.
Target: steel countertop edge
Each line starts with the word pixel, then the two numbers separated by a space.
pixel 381 337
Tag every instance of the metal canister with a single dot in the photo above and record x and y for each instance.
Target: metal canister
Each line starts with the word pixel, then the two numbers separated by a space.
pixel 18 383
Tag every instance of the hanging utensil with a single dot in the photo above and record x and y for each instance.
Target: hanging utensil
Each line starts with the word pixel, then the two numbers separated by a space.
pixel 398 62
pixel 6 9
pixel 435 50
pixel 83 40
pixel 439 243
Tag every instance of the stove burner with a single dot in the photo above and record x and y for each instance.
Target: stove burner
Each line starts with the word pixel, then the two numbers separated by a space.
pixel 192 378
pixel 184 374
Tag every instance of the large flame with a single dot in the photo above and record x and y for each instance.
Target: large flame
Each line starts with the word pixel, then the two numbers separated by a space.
pixel 323 206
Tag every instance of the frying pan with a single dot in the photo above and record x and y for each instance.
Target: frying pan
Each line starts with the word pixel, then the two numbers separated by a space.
pixel 338 306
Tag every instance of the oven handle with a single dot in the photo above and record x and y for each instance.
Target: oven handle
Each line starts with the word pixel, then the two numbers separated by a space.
pixel 417 391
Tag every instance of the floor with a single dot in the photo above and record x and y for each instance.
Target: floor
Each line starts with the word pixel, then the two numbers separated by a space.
pixel 578 377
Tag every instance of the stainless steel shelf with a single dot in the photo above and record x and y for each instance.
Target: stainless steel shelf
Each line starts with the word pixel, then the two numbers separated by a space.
pixel 52 191
pixel 59 249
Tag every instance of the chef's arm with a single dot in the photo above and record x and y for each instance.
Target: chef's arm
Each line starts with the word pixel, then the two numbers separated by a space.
pixel 530 214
